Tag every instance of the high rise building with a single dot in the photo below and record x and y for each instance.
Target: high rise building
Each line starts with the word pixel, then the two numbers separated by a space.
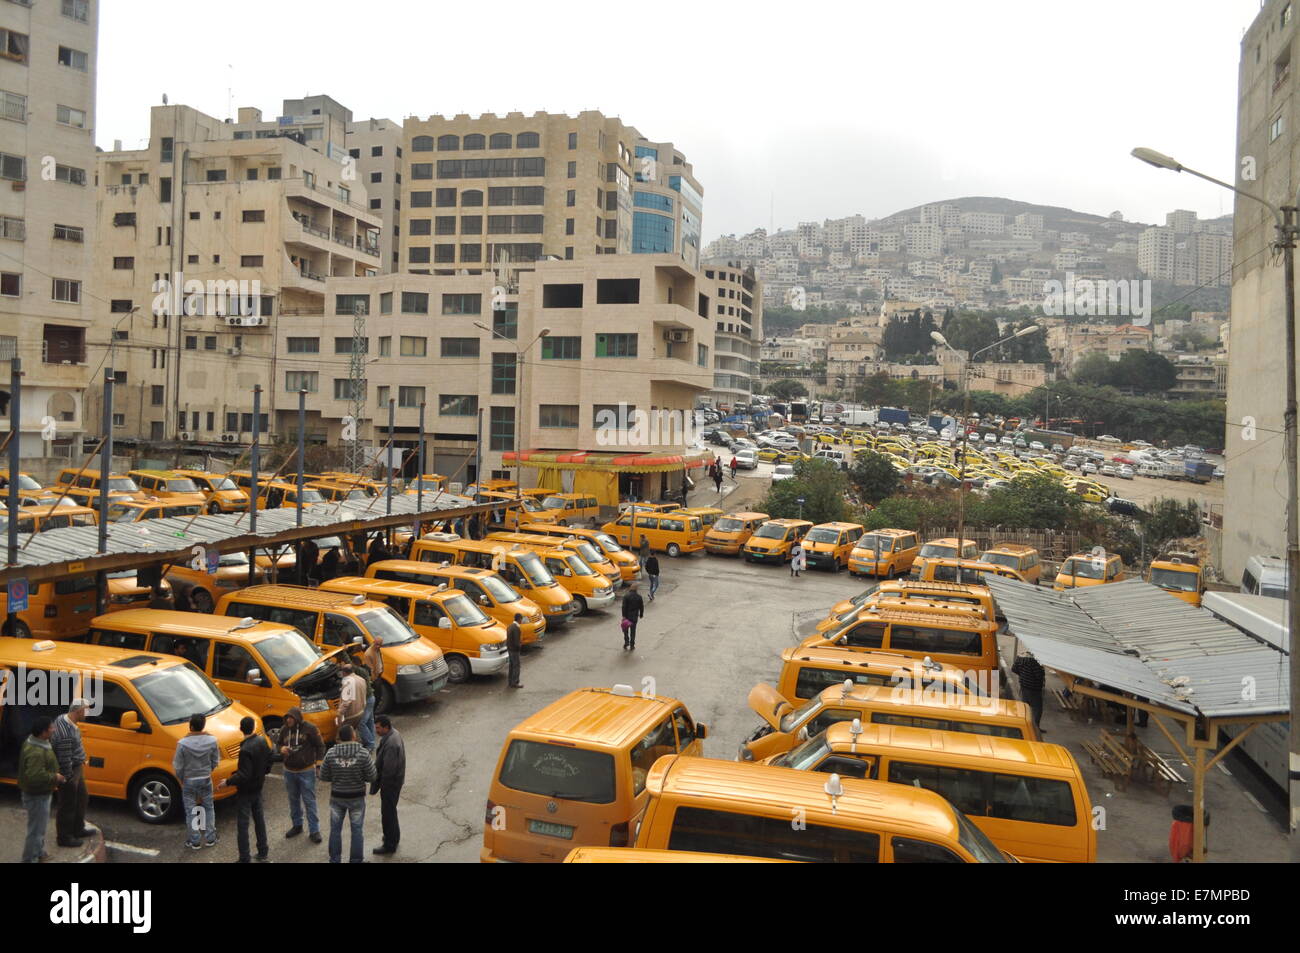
pixel 48 57
pixel 738 330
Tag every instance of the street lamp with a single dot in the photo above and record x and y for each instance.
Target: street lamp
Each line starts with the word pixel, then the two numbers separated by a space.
pixel 1287 219
pixel 939 339
pixel 520 353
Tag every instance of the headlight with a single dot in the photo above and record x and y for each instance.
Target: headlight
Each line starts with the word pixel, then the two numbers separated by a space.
pixel 315 705
pixel 408 670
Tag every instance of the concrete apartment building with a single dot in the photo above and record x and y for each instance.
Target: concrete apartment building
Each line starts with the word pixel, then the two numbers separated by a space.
pixel 738 331
pixel 1200 378
pixel 505 191
pixel 1268 115
pixel 254 226
pixel 624 334
pixel 375 145
pixel 48 58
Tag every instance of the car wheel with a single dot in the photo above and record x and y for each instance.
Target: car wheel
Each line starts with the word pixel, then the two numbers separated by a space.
pixel 201 600
pixel 458 669
pixel 214 508
pixel 674 550
pixel 18 629
pixel 564 522
pixel 272 728
pixel 155 797
pixel 385 697
pixel 582 605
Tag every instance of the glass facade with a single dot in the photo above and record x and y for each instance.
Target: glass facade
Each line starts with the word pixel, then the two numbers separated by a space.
pixel 651 233
pixel 679 184
pixel 661 203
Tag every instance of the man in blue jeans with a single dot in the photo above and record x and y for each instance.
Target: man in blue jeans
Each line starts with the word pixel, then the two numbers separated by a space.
pixel 349 769
pixel 301 748
pixel 197 756
pixel 38 775
pixel 652 572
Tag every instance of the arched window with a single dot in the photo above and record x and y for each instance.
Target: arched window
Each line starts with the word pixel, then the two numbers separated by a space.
pixel 471 197
pixel 528 140
pixel 449 143
pixel 475 141
pixel 499 140
pixel 422 144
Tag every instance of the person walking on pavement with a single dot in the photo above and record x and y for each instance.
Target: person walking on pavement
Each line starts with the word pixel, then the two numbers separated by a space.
pixel 1032 678
pixel 717 478
pixel 366 669
pixel 248 780
pixel 732 466
pixel 329 564
pixel 798 561
pixel 390 775
pixel 310 555
pixel 70 820
pixel 301 748
pixel 633 612
pixel 514 644
pixel 38 775
pixel 652 572
pixel 348 768
pixel 197 756
pixel 644 550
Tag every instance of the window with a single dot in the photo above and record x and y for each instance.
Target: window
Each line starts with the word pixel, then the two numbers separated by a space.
pixel 74 59
pixel 459 347
pixel 415 302
pixel 504 367
pixel 376 177
pixel 382 395
pixel 422 170
pixel 471 225
pixel 210 342
pixel 444 253
pixel 573 140
pixel 414 347
pixel 156 395
pixel 561 348
pixel 120 306
pixel 69 174
pixel 376 203
pixel 528 140
pixel 254 215
pixel 418 254
pixel 295 381
pixel 410 396
pixel 505 321
pixel 457 405
pixel 449 143
pixel 558 416
pixel 69 233
pixel 13 167
pixel 499 140
pixel 573 170
pixel 1275 129
pixel 444 225
pixel 471 253
pixel 420 226
pixel 562 296
pixel 616 345
pixel 67 290
pixel 14 106
pixel 702 355
pixel 343 389
pixel 13 45
pixel 651 233
pixel 78 10
pixel 446 198
pixel 422 144
pixel 123 263
pixel 462 304
pixel 723 832
pixel 471 198
pixel 422 199
pixel 568 226
pixel 114 702
pixel 344 345
pixel 164 190
pixel 303 345
pixel 386 303
pixel 618 291
pixel 352 304
pixel 250 261
pixel 502 428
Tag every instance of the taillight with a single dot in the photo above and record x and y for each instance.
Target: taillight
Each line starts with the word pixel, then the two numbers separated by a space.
pixel 618 835
pixel 51 610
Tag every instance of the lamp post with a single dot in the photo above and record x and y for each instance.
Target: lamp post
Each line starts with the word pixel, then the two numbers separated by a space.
pixel 520 354
pixel 1287 222
pixel 965 386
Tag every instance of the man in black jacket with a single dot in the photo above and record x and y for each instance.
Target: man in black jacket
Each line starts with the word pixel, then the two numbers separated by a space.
pixel 514 647
pixel 390 775
pixel 633 611
pixel 249 776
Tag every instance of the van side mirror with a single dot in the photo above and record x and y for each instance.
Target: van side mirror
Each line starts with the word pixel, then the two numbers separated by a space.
pixel 701 731
pixel 358 640
pixel 444 623
pixel 255 676
pixel 484 601
pixel 130 721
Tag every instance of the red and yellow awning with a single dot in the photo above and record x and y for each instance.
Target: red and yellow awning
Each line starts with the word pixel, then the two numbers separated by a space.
pixel 609 462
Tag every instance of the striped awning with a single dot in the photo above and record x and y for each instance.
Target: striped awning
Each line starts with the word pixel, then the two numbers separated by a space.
pixel 609 462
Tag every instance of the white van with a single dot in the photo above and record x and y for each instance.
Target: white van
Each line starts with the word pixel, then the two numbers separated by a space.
pixel 838 457
pixel 1265 576
pixel 1151 470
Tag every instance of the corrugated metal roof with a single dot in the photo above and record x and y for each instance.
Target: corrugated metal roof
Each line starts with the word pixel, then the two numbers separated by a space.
pixel 1137 638
pixel 78 543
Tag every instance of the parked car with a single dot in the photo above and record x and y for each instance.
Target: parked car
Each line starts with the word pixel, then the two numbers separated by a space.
pixel 783 471
pixel 1124 472
pixel 746 459
pixel 1089 467
pixel 1108 438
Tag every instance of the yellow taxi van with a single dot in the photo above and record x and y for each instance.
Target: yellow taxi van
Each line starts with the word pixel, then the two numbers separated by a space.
pixel 773 541
pixel 141 704
pixel 168 485
pixel 61 609
pixel 83 486
pixel 1027 796
pixel 729 534
pixel 522 509
pixel 970 570
pixel 486 589
pixel 670 532
pixel 37 519
pixel 1089 569
pixel 828 545
pixel 1023 559
pixel 414 670
pixel 807 670
pixel 638 855
pixel 574 774
pixel 629 567
pixel 958 636
pixel 129 589
pixel 884 552
pixel 570 507
pixel 29 488
pixel 725 807
pixel 589 552
pixel 905 589
pixel 336 492
pixel 942 549
pixel 709 515
pixel 220 493
pixel 522 568
pixel 785 726
pixel 471 642
pixel 135 511
pixel 590 588
pixel 200 589
pixel 267 668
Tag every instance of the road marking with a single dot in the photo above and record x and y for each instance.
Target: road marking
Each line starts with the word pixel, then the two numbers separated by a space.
pixel 131 849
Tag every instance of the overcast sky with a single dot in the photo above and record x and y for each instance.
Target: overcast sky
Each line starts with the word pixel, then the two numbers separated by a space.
pixel 813 109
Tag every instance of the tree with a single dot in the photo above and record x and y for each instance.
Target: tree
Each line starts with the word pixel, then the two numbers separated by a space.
pixel 820 484
pixel 908 334
pixel 1145 372
pixel 1034 501
pixel 1094 368
pixel 874 477
pixel 787 390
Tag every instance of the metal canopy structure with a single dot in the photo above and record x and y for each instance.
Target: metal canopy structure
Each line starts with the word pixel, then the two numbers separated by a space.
pixel 1136 645
pixel 56 553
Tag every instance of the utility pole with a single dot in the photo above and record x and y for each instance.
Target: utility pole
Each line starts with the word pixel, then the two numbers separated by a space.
pixel 302 441
pixel 255 460
pixel 105 467
pixel 15 450
pixel 419 481
pixel 355 456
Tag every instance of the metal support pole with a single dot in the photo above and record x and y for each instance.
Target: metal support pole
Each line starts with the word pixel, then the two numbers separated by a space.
pixel 1292 220
pixel 419 480
pixel 478 458
pixel 15 451
pixel 388 463
pixel 519 400
pixel 302 447
pixel 255 460
pixel 105 467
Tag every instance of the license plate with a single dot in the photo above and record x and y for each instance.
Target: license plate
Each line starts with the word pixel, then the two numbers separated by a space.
pixel 85 607
pixel 550 830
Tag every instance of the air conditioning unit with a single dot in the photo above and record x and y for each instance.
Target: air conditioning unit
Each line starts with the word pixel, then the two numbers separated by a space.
pixel 255 321
pixel 230 438
pixel 234 321
pixel 677 337
pixel 234 351
pixel 186 436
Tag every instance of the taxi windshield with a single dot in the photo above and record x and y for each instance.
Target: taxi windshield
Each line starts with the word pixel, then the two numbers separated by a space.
pixel 1002 559
pixel 463 611
pixel 1179 580
pixel 771 531
pixel 579 568
pixel 223 484
pixel 182 486
pixel 823 535
pixel 806 755
pixel 288 653
pixel 589 553
pixel 800 715
pixel 499 589
pixel 1084 568
pixel 608 543
pixel 876 544
pixel 553 503
pixel 535 569
pixel 388 625
pixel 122 485
pixel 729 525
